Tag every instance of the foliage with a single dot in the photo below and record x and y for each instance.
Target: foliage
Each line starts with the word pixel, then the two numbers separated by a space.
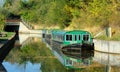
pixel 44 11
pixel 8 3
pixel 6 35
pixel 2 19
pixel 66 13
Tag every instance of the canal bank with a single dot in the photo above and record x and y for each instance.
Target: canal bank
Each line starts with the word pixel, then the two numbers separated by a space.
pixel 6 44
pixel 107 46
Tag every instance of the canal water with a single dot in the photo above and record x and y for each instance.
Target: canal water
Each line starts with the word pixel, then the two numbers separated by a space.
pixel 32 54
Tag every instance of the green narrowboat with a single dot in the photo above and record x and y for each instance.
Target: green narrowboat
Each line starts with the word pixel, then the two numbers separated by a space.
pixel 61 38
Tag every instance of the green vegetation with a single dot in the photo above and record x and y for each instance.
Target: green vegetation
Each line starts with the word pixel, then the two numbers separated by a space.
pixel 44 12
pixel 6 35
pixel 65 12
pixel 2 19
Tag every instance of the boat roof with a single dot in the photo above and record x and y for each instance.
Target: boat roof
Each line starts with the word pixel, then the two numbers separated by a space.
pixel 62 32
pixel 77 31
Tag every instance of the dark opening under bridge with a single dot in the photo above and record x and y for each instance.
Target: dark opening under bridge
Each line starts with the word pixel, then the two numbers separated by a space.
pixel 19 26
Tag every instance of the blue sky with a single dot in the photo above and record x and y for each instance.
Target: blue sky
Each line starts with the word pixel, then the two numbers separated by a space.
pixel 1 2
pixel 28 67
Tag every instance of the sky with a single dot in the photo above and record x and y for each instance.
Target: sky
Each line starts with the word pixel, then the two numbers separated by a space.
pixel 28 67
pixel 1 2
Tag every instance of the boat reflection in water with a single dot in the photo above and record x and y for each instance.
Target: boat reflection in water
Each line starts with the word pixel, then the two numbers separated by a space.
pixel 73 58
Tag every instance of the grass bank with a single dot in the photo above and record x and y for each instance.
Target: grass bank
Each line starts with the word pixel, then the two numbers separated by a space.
pixel 6 35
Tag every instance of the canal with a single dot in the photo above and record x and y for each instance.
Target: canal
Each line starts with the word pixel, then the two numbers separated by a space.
pixel 32 54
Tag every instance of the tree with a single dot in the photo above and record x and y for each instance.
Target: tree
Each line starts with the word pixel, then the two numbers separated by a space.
pixel 8 3
pixel 2 20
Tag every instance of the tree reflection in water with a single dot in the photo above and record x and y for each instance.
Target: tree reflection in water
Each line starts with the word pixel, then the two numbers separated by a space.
pixel 36 52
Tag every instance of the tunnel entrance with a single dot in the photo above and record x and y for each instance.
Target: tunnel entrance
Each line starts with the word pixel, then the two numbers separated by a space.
pixel 11 28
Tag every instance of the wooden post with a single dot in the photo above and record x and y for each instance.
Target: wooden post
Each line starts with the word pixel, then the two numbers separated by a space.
pixel 108 32
pixel 108 68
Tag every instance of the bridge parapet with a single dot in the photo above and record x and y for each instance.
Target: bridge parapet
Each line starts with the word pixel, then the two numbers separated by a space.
pixel 12 23
pixel 27 25
pixel 23 28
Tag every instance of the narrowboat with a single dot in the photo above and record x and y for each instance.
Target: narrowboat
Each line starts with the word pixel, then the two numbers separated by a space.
pixel 72 39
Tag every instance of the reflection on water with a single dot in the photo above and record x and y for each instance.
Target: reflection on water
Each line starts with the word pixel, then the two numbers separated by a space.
pixel 78 60
pixel 2 69
pixel 33 55
pixel 107 59
pixel 16 67
pixel 111 62
pixel 107 46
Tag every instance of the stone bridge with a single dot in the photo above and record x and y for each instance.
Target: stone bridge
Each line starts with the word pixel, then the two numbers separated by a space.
pixel 20 26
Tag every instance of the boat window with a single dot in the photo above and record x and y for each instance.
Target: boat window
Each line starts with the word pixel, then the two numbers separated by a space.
pixel 68 62
pixel 69 37
pixel 78 37
pixel 75 37
pixel 61 37
pixel 86 37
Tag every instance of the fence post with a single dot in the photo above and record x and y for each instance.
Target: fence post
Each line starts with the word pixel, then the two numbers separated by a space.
pixel 108 32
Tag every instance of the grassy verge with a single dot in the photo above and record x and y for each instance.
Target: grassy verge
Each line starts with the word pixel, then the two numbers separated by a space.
pixel 6 35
